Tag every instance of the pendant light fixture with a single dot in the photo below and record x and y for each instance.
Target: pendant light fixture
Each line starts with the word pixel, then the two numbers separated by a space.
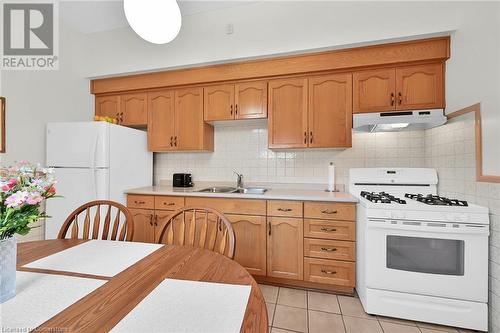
pixel 156 21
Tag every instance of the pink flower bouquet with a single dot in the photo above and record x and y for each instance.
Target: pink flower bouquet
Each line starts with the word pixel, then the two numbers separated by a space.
pixel 23 188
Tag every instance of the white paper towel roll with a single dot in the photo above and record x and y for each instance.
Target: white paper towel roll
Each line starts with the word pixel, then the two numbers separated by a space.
pixel 331 177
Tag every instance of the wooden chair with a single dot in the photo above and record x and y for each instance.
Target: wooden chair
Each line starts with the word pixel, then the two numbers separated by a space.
pixel 122 228
pixel 202 227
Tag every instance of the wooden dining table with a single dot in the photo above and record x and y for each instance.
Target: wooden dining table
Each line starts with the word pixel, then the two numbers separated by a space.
pixel 103 308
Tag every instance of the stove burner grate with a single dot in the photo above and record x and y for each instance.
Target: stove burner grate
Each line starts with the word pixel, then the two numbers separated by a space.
pixel 436 200
pixel 381 197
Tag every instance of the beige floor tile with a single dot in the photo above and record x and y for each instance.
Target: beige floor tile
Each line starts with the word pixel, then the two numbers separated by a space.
pixel 321 322
pixel 270 293
pixel 398 328
pixel 351 306
pixel 270 313
pixel 361 325
pixel 435 327
pixel 279 330
pixel 293 297
pixel 397 321
pixel 429 330
pixel 322 302
pixel 290 318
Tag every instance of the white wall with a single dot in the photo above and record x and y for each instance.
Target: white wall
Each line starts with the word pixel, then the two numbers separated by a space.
pixel 37 97
pixel 266 28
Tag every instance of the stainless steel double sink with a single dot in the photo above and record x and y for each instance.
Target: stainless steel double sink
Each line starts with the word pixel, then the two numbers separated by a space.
pixel 228 189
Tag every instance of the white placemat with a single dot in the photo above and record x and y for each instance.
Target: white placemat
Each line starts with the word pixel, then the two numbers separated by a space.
pixel 189 306
pixel 96 257
pixel 40 297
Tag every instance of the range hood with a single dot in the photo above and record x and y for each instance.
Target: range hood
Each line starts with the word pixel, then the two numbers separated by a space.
pixel 398 120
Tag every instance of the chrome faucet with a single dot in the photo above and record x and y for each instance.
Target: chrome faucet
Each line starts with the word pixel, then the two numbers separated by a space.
pixel 239 180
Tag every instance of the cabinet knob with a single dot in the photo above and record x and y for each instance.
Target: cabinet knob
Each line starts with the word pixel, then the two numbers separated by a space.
pixel 269 225
pixel 171 141
pixel 236 109
pixel 139 202
pixel 328 211
pixel 392 99
pixel 231 108
pixel 400 98
pixel 305 137
pixel 311 137
pixel 284 209
pixel 328 229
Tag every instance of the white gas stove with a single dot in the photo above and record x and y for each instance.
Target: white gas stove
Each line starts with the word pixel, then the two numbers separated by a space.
pixel 419 256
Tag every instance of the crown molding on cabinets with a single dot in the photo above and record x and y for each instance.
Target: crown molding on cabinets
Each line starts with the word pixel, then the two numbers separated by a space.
pixel 408 52
pixel 476 108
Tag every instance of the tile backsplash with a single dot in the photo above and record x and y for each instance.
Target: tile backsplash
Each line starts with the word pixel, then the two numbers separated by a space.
pixel 242 147
pixel 451 150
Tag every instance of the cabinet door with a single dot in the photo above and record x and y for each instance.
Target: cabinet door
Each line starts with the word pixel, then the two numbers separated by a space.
pixel 107 106
pixel 330 111
pixel 288 113
pixel 219 102
pixel 420 87
pixel 189 119
pixel 143 225
pixel 134 109
pixel 250 250
pixel 374 90
pixel 251 100
pixel 161 120
pixel 285 248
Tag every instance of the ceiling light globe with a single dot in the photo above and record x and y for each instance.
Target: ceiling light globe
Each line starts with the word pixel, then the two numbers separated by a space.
pixel 156 21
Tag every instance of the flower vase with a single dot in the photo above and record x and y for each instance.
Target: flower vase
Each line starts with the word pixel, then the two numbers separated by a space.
pixel 8 251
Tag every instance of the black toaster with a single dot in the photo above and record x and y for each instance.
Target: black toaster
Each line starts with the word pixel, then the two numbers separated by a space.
pixel 182 180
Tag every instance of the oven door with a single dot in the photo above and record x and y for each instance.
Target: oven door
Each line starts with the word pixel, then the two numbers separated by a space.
pixel 436 259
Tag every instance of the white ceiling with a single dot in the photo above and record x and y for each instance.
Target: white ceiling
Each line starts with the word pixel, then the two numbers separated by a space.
pixel 95 16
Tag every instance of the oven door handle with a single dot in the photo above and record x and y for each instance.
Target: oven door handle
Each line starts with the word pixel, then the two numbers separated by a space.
pixel 388 224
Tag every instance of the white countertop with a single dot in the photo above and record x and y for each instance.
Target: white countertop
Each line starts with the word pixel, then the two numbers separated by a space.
pixel 305 194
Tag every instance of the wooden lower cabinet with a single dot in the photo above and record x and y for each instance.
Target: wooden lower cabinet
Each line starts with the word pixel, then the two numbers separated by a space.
pixel 285 249
pixel 341 273
pixel 144 230
pixel 296 243
pixel 250 234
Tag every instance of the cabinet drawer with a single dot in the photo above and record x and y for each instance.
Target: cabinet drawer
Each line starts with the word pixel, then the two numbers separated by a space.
pixel 231 206
pixel 329 249
pixel 340 273
pixel 168 203
pixel 330 211
pixel 341 230
pixel 140 201
pixel 284 208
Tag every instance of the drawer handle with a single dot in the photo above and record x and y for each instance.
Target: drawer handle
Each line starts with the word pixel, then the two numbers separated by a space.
pixel 139 202
pixel 328 272
pixel 329 211
pixel 329 229
pixel 169 204
pixel 328 249
pixel 284 209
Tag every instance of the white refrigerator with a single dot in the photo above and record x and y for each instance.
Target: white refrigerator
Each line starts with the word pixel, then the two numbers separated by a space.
pixel 93 160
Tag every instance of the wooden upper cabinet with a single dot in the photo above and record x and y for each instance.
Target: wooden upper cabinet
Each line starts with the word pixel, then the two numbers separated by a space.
pixel 330 111
pixel 288 113
pixel 250 235
pixel 420 87
pixel 250 100
pixel 107 106
pixel 285 248
pixel 134 109
pixel 161 120
pixel 374 90
pixel 192 133
pixel 219 102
